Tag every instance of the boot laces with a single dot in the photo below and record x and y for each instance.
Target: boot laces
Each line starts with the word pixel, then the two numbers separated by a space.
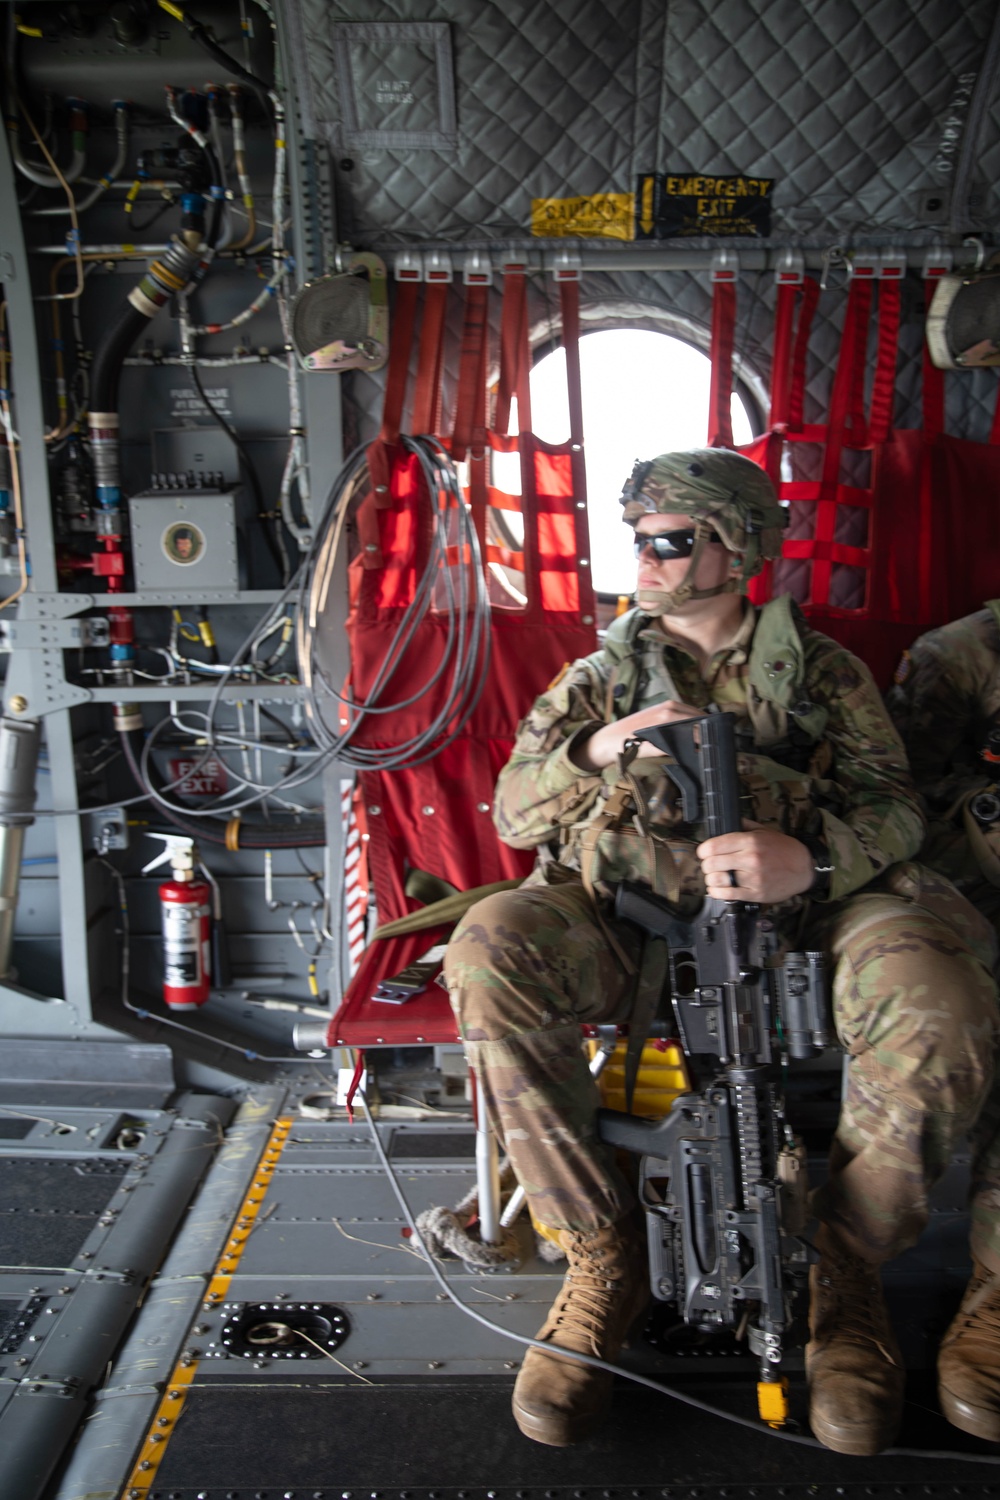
pixel 981 1308
pixel 590 1295
pixel 861 1315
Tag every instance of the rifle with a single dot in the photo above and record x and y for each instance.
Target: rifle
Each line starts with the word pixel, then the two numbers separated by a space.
pixel 722 1179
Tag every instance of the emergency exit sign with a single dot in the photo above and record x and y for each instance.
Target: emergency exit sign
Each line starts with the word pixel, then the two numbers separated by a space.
pixel 676 205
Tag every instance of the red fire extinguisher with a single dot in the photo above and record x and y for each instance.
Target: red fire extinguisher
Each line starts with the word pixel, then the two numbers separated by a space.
pixel 185 906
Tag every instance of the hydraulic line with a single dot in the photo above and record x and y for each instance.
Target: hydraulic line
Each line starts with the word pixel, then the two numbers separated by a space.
pixel 239 157
pixel 199 34
pixel 103 183
pixel 58 177
pixel 467 648
pixel 249 837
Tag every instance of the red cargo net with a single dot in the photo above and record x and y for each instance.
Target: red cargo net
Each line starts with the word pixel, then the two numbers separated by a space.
pixel 436 817
pixel 932 548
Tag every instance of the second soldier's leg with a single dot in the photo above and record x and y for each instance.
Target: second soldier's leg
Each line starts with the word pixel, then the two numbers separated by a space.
pixel 969 1359
pixel 917 1014
pixel 524 969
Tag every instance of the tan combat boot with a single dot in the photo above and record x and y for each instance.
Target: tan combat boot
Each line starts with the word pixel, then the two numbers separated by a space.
pixel 853 1364
pixel 969 1360
pixel 559 1401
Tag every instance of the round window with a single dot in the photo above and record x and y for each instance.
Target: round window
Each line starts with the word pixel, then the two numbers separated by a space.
pixel 644 393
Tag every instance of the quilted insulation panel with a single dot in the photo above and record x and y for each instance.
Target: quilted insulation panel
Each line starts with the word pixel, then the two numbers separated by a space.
pixel 447 117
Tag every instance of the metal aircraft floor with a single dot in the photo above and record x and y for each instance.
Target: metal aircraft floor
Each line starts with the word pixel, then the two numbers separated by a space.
pixel 295 1224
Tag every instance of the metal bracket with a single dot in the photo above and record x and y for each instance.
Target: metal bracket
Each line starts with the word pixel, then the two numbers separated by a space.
pixel 566 265
pixel 437 266
pixel 477 269
pixel 53 635
pixel 725 265
pixel 8 270
pixel 409 266
pixel 790 269
pixel 106 830
pixel 32 606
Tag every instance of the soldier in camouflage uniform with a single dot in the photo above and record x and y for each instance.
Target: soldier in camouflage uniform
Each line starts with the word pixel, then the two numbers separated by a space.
pixel 946 705
pixel 832 825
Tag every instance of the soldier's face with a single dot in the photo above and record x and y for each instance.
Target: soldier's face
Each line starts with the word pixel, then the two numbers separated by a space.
pixel 713 568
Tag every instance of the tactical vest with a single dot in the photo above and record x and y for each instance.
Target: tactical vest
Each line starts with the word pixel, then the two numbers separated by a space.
pixel 785 723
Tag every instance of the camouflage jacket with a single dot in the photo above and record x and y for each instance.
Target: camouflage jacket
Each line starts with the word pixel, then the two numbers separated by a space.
pixel 850 787
pixel 946 703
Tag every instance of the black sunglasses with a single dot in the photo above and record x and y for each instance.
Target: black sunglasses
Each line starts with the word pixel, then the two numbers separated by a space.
pixel 668 544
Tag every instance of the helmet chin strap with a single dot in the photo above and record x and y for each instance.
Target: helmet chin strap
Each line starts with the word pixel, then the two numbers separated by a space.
pixel 656 602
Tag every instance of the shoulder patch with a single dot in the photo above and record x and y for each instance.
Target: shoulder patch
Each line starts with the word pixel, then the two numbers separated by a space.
pixel 557 679
pixel 902 672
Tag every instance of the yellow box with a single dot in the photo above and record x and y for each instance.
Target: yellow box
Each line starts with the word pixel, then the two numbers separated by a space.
pixel 662 1076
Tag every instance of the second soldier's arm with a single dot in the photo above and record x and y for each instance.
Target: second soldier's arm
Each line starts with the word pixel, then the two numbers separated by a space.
pixel 874 817
pixel 947 690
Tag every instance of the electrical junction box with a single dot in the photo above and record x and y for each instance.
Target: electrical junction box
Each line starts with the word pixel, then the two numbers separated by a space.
pixel 184 538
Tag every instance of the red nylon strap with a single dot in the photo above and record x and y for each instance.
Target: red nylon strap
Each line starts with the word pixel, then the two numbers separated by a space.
pixel 471 372
pixel 478 451
pixel 844 392
pixel 569 296
pixel 354 1085
pixel 933 411
pixel 995 428
pixel 884 384
pixel 427 391
pixel 382 452
pixel 797 391
pixel 781 356
pixel 397 375
pixel 720 393
pixel 513 351
pixel 855 430
pixel 933 397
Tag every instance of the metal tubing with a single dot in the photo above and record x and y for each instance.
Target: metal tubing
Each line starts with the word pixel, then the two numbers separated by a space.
pixel 487 1172
pixel 40 1417
pixel 11 850
pixel 126 1405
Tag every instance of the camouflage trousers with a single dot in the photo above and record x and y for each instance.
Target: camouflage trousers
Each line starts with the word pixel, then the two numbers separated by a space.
pixel 915 1010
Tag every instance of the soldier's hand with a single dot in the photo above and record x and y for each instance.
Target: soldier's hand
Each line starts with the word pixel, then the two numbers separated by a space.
pixel 769 865
pixel 603 748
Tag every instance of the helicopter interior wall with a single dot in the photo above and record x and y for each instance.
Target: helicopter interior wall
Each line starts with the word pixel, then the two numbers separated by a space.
pixel 858 111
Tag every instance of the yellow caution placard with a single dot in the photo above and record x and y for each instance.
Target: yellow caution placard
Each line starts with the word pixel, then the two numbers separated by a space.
pixel 609 216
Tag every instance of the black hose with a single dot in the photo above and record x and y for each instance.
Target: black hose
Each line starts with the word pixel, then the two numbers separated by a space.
pixel 248 468
pixel 200 34
pixel 215 176
pixel 109 358
pixel 250 838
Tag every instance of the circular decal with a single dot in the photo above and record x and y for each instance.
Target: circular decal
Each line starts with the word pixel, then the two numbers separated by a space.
pixel 184 543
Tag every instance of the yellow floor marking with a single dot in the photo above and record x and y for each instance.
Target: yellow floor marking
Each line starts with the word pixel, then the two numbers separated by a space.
pixel 155 1445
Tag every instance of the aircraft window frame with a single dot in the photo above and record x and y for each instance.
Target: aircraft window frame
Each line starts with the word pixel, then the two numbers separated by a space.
pixel 609 315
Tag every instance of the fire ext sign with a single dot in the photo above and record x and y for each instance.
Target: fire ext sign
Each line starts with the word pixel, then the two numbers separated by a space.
pixel 675 205
pixel 197 778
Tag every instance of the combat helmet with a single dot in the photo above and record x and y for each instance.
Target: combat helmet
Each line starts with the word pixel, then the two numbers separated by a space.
pixel 731 501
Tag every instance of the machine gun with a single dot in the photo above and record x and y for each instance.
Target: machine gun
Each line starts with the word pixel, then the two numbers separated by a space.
pixel 722 1180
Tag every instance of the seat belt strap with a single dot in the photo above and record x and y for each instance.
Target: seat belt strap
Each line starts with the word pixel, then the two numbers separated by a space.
pixel 884 384
pixel 720 393
pixel 427 391
pixel 797 389
pixel 781 357
pixel 382 452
